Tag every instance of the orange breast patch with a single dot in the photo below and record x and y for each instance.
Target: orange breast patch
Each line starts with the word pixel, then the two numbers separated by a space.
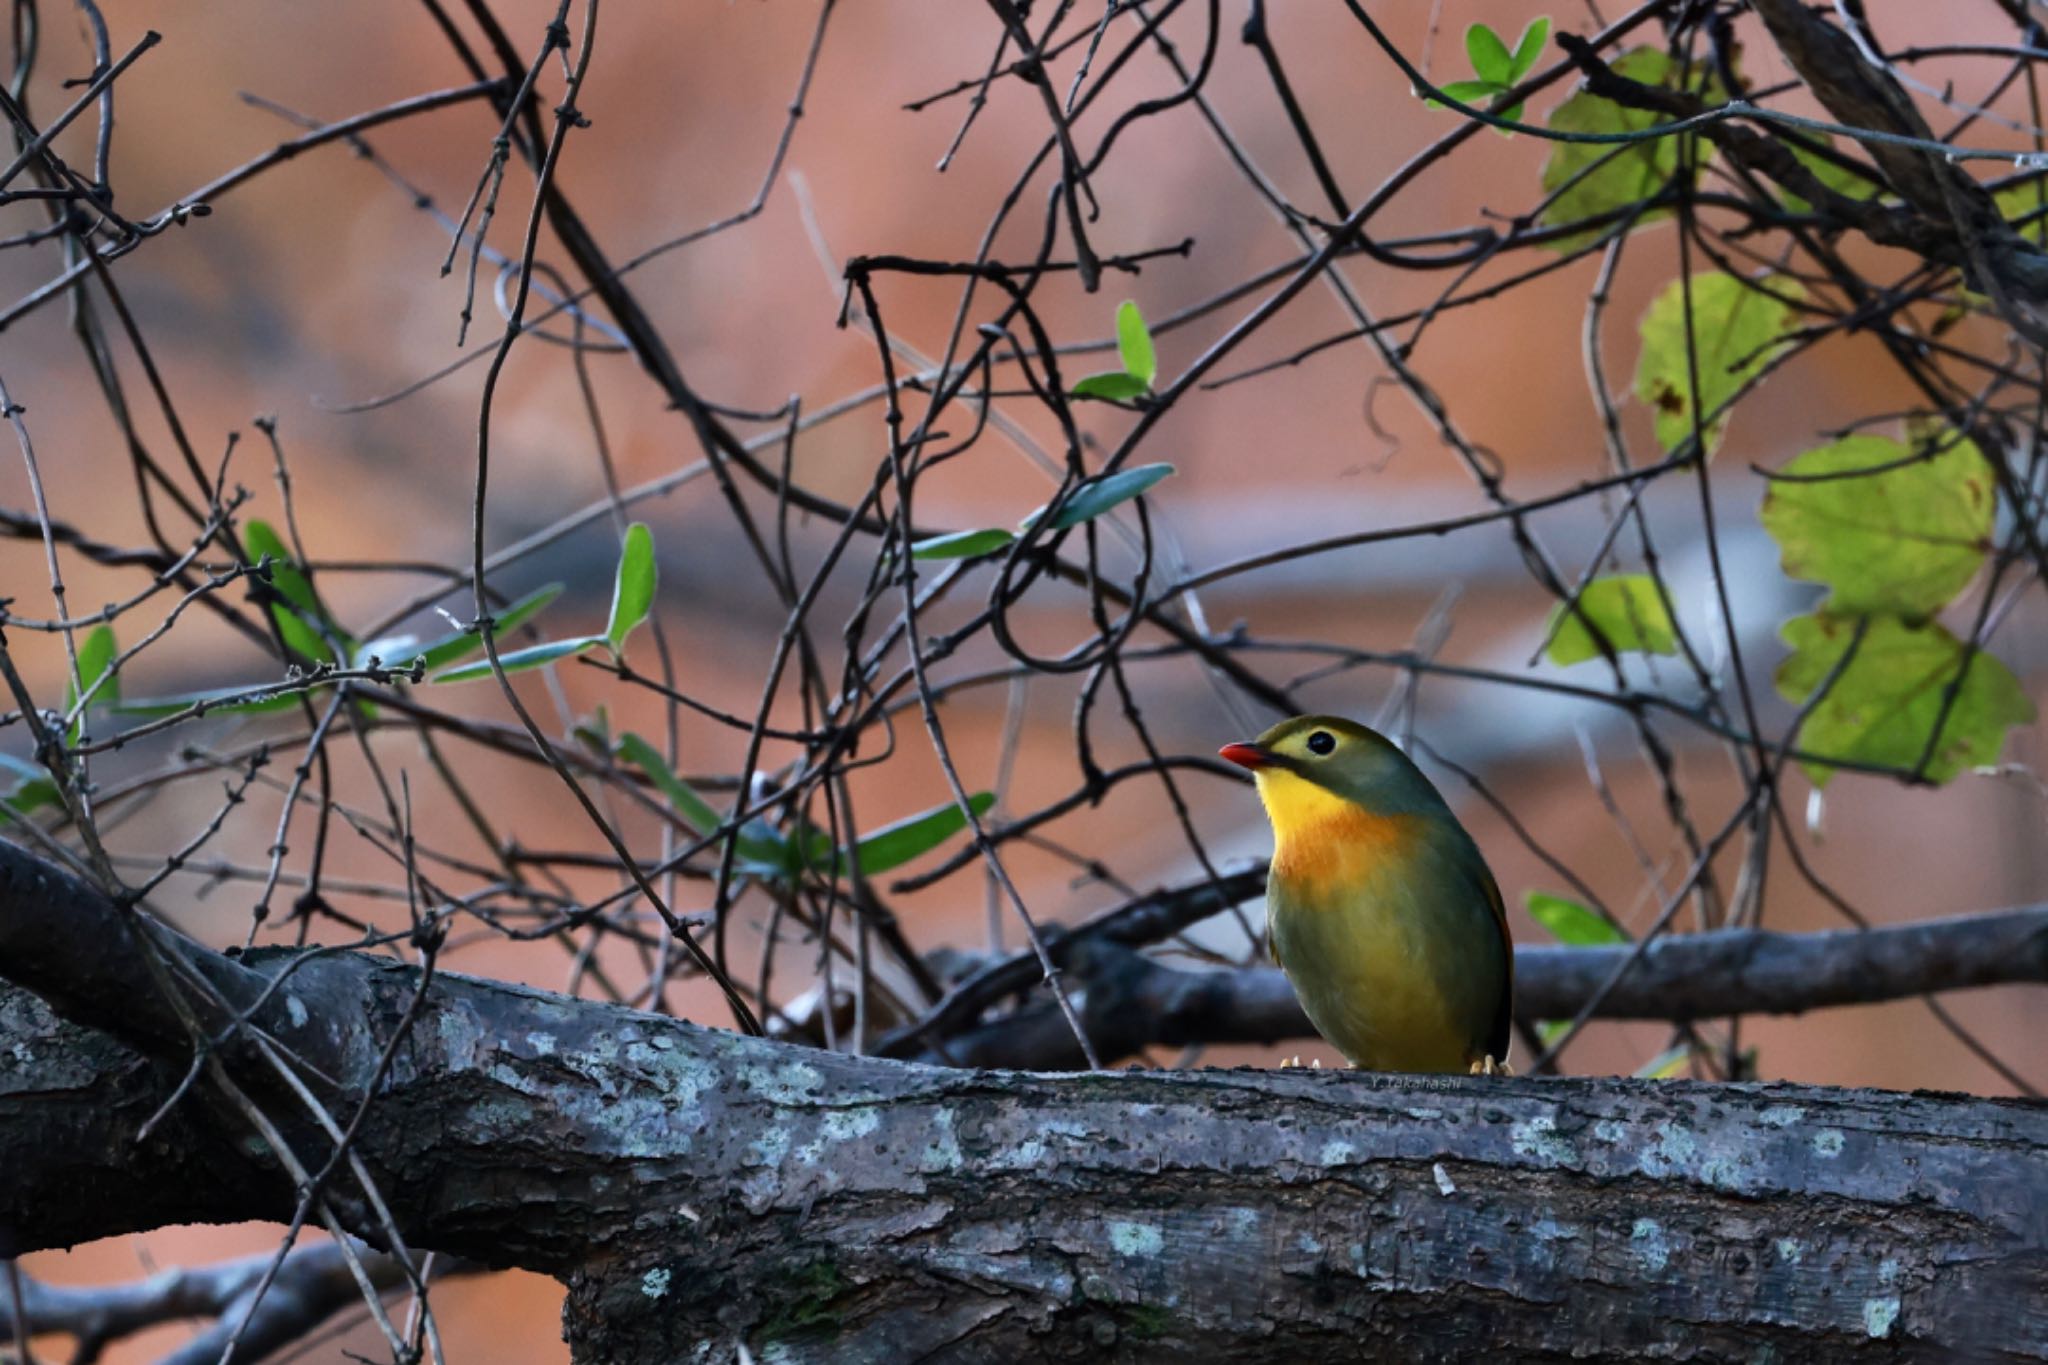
pixel 1323 841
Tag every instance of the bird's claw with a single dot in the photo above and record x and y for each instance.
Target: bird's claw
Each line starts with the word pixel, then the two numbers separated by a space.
pixel 1294 1063
pixel 1488 1066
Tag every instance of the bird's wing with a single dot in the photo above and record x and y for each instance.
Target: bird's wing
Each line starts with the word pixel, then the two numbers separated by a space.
pixel 1504 1012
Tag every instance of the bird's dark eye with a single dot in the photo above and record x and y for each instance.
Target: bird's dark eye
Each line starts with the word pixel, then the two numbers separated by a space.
pixel 1322 742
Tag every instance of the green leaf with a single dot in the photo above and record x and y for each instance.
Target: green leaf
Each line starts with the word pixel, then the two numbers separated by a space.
pixel 95 656
pixel 1490 59
pixel 1478 93
pixel 1112 384
pixel 1134 344
pixel 1570 922
pixel 1836 177
pixel 2026 201
pixel 1666 1065
pixel 962 544
pixel 1626 609
pixel 1883 706
pixel 152 708
pixel 399 651
pixel 633 586
pixel 1737 330
pixel 260 538
pixel 894 845
pixel 1529 48
pixel 699 814
pixel 1627 173
pixel 1904 541
pixel 594 732
pixel 809 849
pixel 300 614
pixel 1099 495
pixel 763 853
pixel 533 656
pixel 32 788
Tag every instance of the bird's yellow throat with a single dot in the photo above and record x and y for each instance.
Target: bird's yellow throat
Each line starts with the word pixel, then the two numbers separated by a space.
pixel 1320 839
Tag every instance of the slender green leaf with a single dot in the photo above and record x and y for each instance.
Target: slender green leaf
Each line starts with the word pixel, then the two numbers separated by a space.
pixel 1469 92
pixel 808 848
pixel 31 787
pixel 758 846
pixel 1570 922
pixel 533 656
pixel 1100 494
pixel 1666 1065
pixel 1594 179
pixel 894 845
pixel 390 651
pixel 1134 344
pixel 1736 331
pixel 699 814
pixel 1904 539
pixel 1627 611
pixel 594 732
pixel 962 544
pixel 1112 384
pixel 299 615
pixel 1490 58
pixel 399 651
pixel 96 655
pixel 633 586
pixel 214 699
pixel 1529 49
pixel 260 538
pixel 1883 706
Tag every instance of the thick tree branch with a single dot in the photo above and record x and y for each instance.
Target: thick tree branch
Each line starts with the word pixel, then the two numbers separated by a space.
pixel 1680 977
pixel 1130 1001
pixel 696 1186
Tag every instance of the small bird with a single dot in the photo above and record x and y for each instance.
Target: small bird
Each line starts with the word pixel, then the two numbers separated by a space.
pixel 1380 909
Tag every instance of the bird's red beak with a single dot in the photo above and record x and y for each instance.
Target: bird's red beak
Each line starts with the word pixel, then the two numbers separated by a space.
pixel 1246 755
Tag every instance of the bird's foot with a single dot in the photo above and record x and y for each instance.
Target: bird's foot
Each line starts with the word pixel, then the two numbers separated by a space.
pixel 1488 1066
pixel 1294 1063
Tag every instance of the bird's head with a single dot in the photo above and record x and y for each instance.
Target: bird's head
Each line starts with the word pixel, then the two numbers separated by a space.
pixel 1311 768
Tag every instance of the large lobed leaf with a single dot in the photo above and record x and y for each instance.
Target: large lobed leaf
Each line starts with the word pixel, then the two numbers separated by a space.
pixel 1883 707
pixel 1902 540
pixel 1736 328
pixel 1626 610
pixel 1630 172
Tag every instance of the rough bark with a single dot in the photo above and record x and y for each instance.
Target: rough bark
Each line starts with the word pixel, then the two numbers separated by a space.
pixel 696 1189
